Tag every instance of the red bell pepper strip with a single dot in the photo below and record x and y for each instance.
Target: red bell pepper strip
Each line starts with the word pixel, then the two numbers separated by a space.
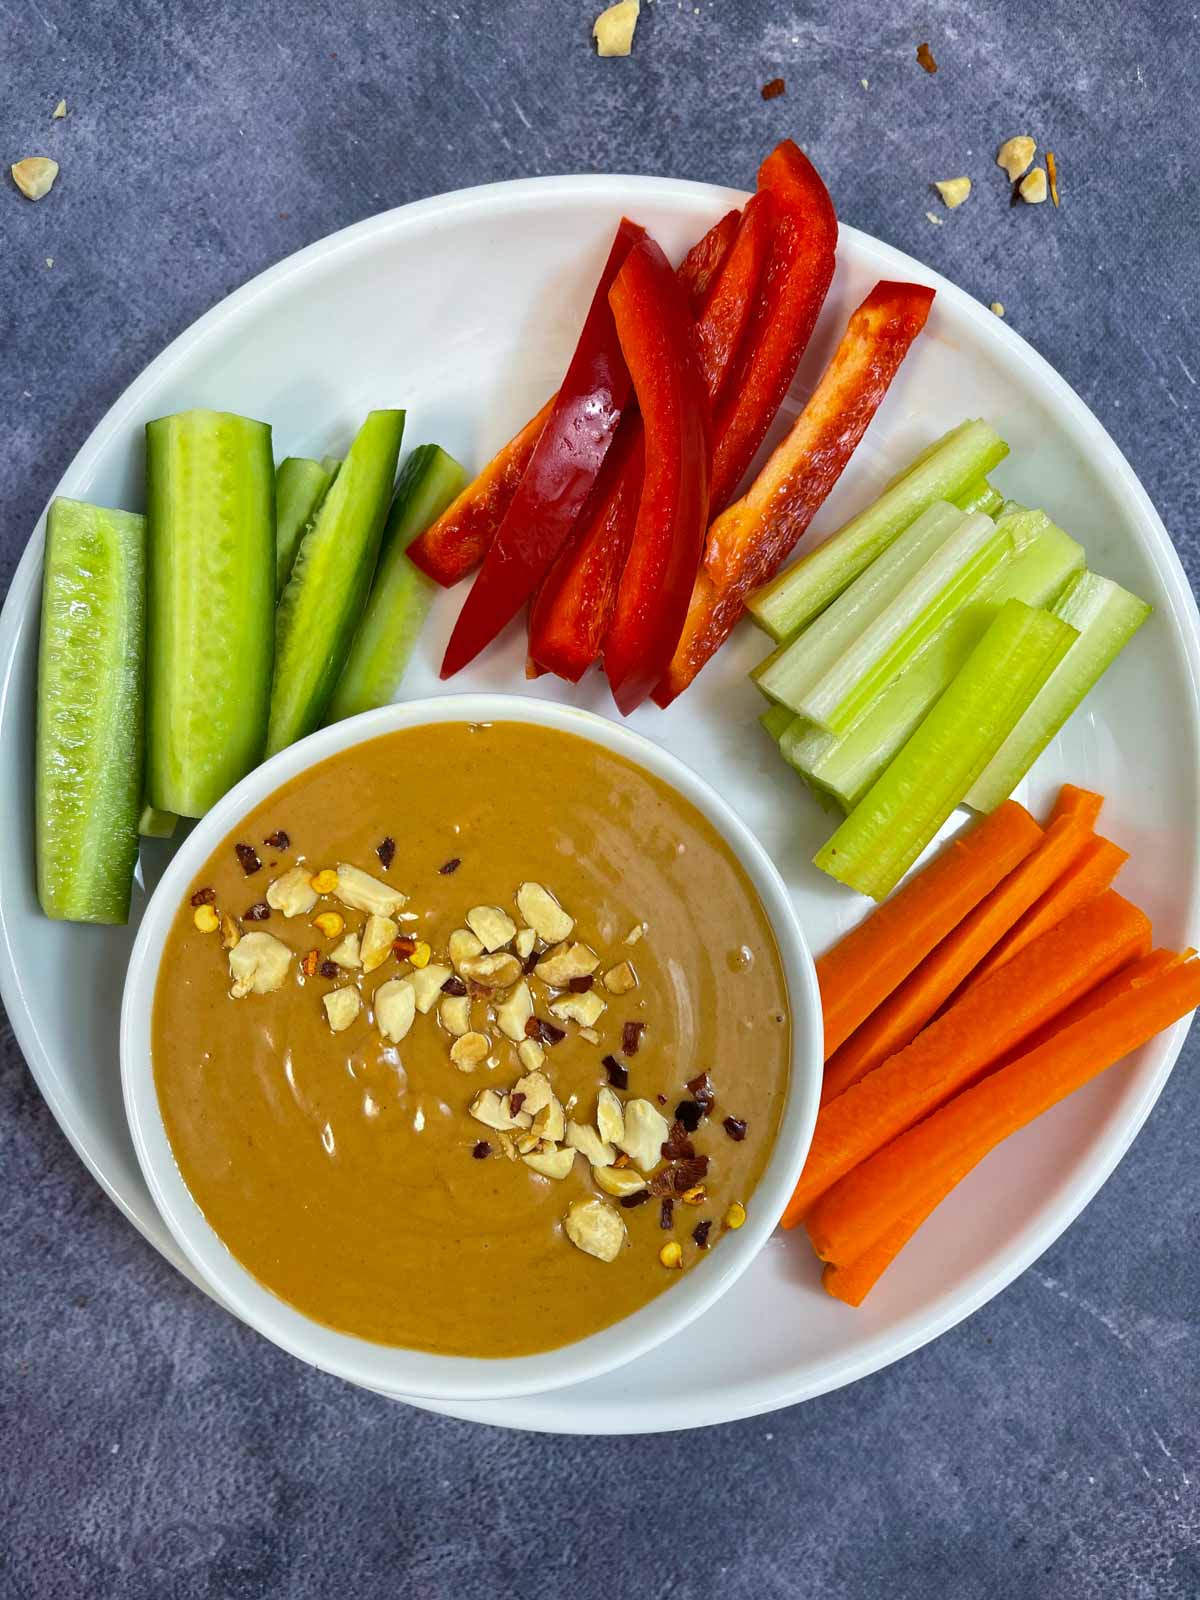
pixel 748 542
pixel 560 476
pixel 457 542
pixel 658 341
pixel 454 545
pixel 793 291
pixel 574 608
pixel 575 603
pixel 729 308
pixel 699 268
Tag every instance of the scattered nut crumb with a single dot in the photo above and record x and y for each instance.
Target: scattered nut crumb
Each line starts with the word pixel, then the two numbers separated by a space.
pixel 773 89
pixel 1015 155
pixel 613 29
pixel 49 261
pixel 1052 174
pixel 34 176
pixel 925 57
pixel 931 216
pixel 997 307
pixel 1033 187
pixel 953 191
pixel 230 931
pixel 635 933
pixel 590 1035
pixel 864 83
pixel 59 111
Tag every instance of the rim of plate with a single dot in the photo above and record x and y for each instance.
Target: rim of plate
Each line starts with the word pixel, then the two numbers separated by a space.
pixel 1076 421
pixel 433 1374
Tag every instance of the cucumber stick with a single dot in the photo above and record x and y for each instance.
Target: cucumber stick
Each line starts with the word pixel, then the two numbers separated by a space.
pixel 300 486
pixel 792 670
pixel 942 472
pixel 909 802
pixel 400 595
pixel 210 497
pixel 845 765
pixel 321 605
pixel 89 757
pixel 156 824
pixel 1106 618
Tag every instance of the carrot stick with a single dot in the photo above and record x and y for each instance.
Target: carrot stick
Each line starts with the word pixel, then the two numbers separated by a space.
pixel 863 968
pixel 976 1032
pixel 850 1281
pixel 1091 872
pixel 895 1183
pixel 906 1011
pixel 1074 802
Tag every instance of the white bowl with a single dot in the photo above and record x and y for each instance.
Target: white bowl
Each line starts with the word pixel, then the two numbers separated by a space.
pixel 416 1372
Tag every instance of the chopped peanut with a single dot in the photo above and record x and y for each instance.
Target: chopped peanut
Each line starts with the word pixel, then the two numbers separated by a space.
pixel 1033 187
pixel 613 28
pixel 1014 155
pixel 953 191
pixel 34 176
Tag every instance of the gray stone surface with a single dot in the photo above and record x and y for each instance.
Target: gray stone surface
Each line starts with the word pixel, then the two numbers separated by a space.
pixel 149 1445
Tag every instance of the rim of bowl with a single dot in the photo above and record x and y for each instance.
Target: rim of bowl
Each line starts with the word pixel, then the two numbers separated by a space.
pixel 399 1369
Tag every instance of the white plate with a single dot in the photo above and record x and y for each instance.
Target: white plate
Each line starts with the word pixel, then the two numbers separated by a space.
pixel 464 308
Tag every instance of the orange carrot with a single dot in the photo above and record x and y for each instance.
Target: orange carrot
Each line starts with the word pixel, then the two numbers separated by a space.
pixel 863 968
pixel 1075 802
pixel 851 1280
pixel 897 1182
pixel 975 1033
pixel 1091 872
pixel 906 1011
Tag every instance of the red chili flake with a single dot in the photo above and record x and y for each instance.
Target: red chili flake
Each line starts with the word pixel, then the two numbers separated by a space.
pixel 482 1150
pixel 687 1174
pixel 666 1213
pixel 447 867
pixel 618 1075
pixel 543 1032
pixel 925 57
pixel 258 912
pixel 277 840
pixel 631 1200
pixel 735 1128
pixel 530 961
pixel 701 1090
pixel 403 946
pixel 661 1098
pixel 516 1101
pixel 329 969
pixel 677 1146
pixel 454 986
pixel 631 1037
pixel 580 985
pixel 248 856
pixel 386 851
pixel 204 897
pixel 688 1112
pixel 773 89
pixel 700 1234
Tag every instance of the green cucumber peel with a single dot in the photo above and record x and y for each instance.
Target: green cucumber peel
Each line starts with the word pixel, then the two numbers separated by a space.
pixel 210 505
pixel 400 595
pixel 324 598
pixel 300 486
pixel 89 744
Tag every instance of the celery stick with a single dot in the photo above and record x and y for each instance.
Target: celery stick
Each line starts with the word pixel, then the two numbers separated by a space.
pixel 776 720
pixel 792 671
pixel 908 803
pixel 846 765
pixel 1106 617
pixel 980 497
pixel 894 639
pixel 784 605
